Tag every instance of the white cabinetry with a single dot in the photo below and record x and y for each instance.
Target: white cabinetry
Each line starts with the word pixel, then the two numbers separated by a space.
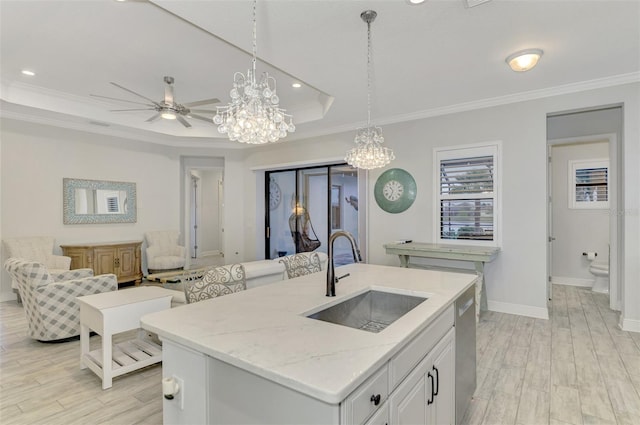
pixel 415 386
pixel 427 395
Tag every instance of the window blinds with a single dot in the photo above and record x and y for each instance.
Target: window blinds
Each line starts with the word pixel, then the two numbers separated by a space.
pixel 467 198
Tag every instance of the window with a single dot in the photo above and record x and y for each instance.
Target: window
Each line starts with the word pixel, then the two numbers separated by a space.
pixel 589 184
pixel 467 189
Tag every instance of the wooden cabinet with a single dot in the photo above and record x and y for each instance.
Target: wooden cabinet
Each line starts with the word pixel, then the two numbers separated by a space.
pixel 120 258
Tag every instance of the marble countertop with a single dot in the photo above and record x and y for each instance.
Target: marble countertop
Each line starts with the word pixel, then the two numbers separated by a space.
pixel 264 330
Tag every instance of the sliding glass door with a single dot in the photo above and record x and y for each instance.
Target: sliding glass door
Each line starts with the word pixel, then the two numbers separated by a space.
pixel 306 205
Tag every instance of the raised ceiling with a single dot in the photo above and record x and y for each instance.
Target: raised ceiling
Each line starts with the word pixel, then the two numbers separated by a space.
pixel 429 59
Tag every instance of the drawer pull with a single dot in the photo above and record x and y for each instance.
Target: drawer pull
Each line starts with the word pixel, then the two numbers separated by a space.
pixel 430 376
pixel 375 399
pixel 435 392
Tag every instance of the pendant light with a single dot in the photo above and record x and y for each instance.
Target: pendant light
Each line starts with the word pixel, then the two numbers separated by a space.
pixel 369 152
pixel 253 115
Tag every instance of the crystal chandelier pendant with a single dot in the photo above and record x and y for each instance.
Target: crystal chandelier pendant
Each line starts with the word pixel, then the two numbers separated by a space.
pixel 368 152
pixel 253 116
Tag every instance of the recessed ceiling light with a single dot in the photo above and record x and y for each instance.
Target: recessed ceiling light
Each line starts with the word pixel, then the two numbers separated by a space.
pixel 28 72
pixel 524 60
pixel 296 85
pixel 415 1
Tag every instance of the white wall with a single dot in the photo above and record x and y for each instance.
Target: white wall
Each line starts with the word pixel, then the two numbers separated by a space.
pixel 576 230
pixel 35 159
pixel 39 157
pixel 516 280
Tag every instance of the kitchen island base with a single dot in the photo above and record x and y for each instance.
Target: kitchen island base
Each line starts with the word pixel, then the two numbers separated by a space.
pixel 216 392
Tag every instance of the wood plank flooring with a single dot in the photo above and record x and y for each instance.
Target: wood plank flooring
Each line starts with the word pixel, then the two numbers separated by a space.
pixel 576 368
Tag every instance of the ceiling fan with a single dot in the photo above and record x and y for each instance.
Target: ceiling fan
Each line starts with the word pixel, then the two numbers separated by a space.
pixel 167 108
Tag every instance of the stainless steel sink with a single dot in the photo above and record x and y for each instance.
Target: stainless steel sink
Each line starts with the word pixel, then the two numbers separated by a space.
pixel 370 311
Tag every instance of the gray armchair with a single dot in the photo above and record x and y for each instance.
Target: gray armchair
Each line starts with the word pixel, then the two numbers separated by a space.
pixel 53 312
pixel 37 248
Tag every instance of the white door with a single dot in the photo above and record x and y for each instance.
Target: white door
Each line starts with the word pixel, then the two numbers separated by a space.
pixel 443 407
pixel 550 237
pixel 408 403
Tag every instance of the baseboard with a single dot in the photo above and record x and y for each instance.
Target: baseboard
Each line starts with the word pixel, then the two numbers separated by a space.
pixel 519 309
pixel 213 253
pixel 631 325
pixel 8 296
pixel 571 281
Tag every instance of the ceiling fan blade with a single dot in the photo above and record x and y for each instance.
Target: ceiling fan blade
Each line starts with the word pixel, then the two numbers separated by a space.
pixel 202 102
pixel 128 110
pixel 153 118
pixel 119 100
pixel 201 118
pixel 137 94
pixel 183 121
pixel 203 111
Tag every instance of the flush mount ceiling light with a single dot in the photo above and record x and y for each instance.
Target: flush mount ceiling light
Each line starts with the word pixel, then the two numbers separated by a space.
pixel 28 72
pixel 415 1
pixel 524 60
pixel 253 116
pixel 369 152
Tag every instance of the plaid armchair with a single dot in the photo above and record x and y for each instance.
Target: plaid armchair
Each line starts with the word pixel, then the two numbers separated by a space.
pixel 53 312
pixel 37 248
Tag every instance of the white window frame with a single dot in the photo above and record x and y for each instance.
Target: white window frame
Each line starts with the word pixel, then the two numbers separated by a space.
pixel 469 151
pixel 576 164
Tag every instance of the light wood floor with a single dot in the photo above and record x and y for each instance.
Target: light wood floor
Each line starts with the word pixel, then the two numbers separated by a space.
pixel 575 368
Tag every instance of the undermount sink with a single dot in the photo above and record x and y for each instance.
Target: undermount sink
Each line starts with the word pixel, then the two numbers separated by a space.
pixel 370 311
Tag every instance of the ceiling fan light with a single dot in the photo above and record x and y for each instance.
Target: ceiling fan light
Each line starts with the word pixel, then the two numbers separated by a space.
pixel 168 115
pixel 524 60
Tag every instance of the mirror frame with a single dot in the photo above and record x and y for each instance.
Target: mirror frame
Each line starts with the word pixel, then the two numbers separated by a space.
pixel 69 201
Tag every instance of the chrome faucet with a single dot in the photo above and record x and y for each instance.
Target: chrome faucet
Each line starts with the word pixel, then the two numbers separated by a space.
pixel 331 271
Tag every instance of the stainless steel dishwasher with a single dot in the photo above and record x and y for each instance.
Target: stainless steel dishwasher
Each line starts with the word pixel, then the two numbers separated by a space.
pixel 465 324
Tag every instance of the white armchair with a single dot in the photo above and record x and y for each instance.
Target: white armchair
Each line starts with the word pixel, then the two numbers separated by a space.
pixel 39 249
pixel 163 251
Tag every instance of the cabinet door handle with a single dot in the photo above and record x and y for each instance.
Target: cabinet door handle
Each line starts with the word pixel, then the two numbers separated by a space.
pixel 430 376
pixel 435 393
pixel 375 399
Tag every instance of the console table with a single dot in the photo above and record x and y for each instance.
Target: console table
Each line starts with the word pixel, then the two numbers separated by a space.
pixel 476 254
pixel 120 258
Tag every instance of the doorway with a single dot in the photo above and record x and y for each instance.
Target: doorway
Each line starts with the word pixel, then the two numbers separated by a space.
pixel 584 172
pixel 306 205
pixel 203 212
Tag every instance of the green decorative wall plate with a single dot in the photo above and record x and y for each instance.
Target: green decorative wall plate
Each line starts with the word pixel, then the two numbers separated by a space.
pixel 395 190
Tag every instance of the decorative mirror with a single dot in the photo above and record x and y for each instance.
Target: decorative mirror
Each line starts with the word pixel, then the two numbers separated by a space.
pixel 98 201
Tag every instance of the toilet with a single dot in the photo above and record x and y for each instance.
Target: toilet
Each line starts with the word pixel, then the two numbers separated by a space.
pixel 600 270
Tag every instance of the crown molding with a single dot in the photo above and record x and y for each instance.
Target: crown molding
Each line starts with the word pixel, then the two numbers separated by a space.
pixel 598 83
pixel 616 80
pixel 121 132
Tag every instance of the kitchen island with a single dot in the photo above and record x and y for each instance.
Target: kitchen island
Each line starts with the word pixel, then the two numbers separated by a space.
pixel 255 356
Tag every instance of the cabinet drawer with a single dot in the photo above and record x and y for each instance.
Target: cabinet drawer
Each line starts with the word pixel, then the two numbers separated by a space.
pixel 364 401
pixel 381 417
pixel 403 362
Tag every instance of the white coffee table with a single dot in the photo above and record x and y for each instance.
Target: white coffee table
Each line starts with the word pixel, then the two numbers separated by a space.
pixel 110 313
